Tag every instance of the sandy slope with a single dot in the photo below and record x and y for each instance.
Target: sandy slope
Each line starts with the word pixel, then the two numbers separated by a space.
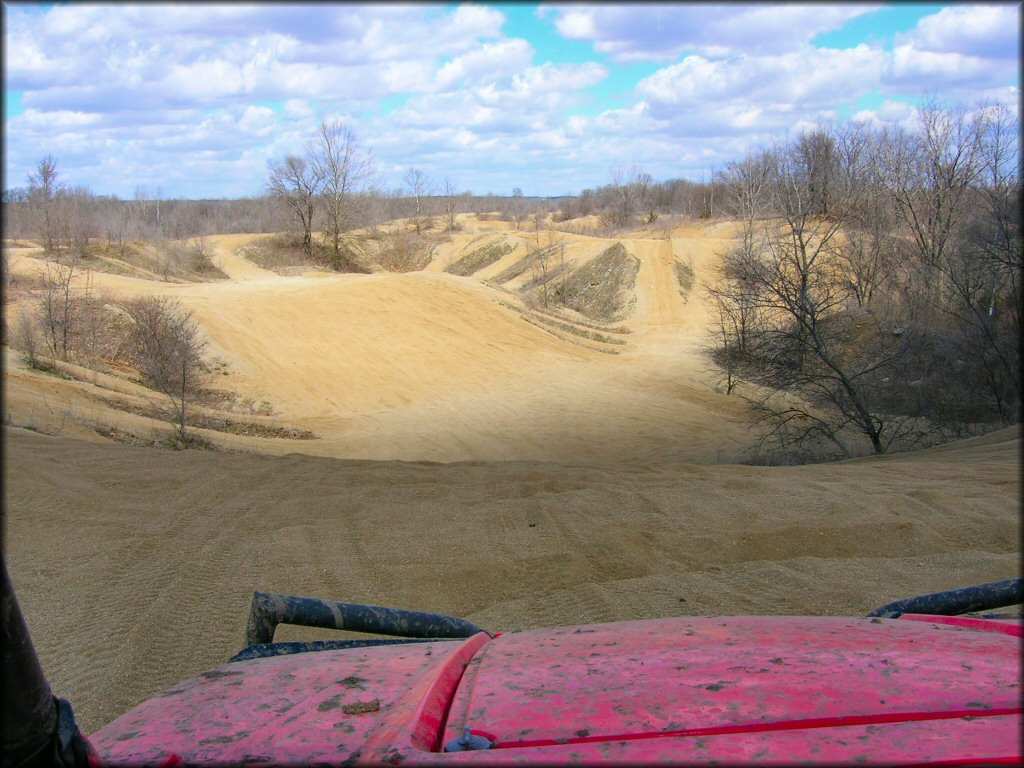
pixel 438 367
pixel 575 492
pixel 135 567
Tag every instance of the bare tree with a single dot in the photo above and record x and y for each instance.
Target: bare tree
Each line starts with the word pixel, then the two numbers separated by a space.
pixel 200 252
pixel 420 187
pixel 736 293
pixel 539 272
pixel 76 207
pixel 707 190
pixel 518 209
pixel 298 183
pixel 841 368
pixel 875 285
pixel 343 167
pixel 723 347
pixel 43 189
pixel 451 198
pixel 58 307
pixel 872 252
pixel 625 197
pixel 737 302
pixel 955 184
pixel 27 336
pixel 145 214
pixel 166 346
pixel 585 203
pixel 817 152
pixel 557 242
pixel 645 197
pixel 928 174
pixel 116 221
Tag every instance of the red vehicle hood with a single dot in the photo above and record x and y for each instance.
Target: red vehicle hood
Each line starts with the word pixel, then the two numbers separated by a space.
pixel 753 689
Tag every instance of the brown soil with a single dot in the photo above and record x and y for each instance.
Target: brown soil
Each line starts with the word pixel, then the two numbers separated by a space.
pixel 574 487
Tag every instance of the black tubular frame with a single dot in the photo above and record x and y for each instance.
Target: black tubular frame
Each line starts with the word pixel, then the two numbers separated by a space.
pixel 269 609
pixel 981 597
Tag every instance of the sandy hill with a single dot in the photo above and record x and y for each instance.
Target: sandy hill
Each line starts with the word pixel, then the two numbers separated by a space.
pixel 441 367
pixel 583 472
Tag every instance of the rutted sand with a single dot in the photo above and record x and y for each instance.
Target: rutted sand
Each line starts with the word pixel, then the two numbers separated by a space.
pixel 135 566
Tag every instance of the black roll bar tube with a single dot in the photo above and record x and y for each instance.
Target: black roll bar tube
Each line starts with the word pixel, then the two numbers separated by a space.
pixel 982 597
pixel 269 609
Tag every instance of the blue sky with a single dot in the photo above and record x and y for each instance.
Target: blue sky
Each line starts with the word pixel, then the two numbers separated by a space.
pixel 192 100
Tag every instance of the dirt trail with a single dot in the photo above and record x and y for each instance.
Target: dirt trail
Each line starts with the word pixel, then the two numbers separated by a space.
pixel 659 303
pixel 231 264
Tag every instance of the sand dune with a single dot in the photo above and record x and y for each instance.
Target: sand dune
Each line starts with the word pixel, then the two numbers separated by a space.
pixel 430 366
pixel 575 485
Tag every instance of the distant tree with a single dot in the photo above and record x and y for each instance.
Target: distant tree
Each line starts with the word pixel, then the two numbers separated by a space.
pixel 165 345
pixel 451 199
pixel 58 305
pixel 298 182
pixel 820 166
pixel 420 187
pixel 624 196
pixel 77 211
pixel 518 209
pixel 43 188
pixel 27 336
pixel 147 221
pixel 17 214
pixel 343 168
pixel 643 185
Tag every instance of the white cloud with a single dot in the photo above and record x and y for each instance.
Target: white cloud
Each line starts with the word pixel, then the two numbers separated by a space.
pixel 205 81
pixel 259 121
pixel 576 25
pixel 961 51
pixel 635 32
pixel 557 79
pixel 958 78
pixel 214 52
pixel 808 79
pixel 894 111
pixel 56 120
pixel 534 98
pixel 475 21
pixel 297 109
pixel 973 30
pixel 488 63
pixel 407 77
pixel 890 113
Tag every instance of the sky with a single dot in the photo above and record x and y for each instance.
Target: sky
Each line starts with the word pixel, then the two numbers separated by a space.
pixel 191 100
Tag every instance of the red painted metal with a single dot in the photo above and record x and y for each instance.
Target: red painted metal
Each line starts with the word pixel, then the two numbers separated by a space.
pixel 969 622
pixel 695 690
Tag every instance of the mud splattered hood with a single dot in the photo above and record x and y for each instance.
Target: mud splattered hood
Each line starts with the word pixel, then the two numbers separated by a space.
pixel 684 690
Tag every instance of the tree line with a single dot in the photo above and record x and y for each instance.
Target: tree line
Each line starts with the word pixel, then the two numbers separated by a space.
pixel 873 292
pixel 319 195
pixel 63 217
